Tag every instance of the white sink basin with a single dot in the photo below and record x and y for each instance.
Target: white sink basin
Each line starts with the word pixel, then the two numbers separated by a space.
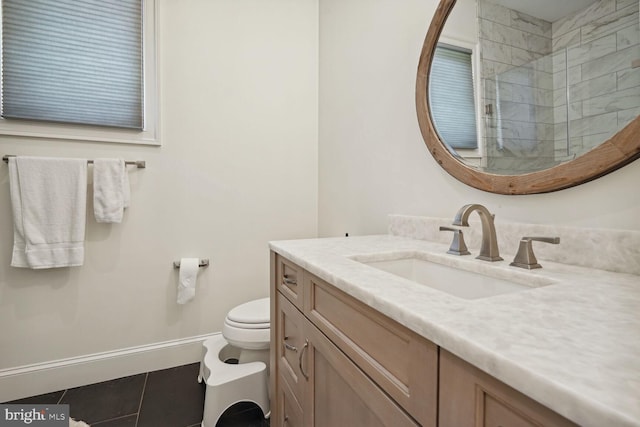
pixel 458 280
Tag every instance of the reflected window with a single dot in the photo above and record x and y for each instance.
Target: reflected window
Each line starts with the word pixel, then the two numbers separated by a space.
pixel 451 97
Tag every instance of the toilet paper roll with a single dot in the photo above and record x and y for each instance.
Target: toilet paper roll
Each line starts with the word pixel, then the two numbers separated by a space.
pixel 187 279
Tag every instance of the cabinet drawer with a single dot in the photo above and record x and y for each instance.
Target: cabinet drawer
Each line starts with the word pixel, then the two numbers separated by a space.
pixel 289 342
pixel 289 280
pixel 470 397
pixel 402 363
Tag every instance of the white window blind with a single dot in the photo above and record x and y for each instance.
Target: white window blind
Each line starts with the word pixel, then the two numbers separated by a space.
pixel 73 61
pixel 451 97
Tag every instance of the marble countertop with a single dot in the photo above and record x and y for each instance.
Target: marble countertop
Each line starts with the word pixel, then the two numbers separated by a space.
pixel 573 346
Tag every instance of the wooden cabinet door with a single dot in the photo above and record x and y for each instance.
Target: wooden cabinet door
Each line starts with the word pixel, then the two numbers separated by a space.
pixel 288 412
pixel 286 387
pixel 470 397
pixel 338 393
pixel 289 344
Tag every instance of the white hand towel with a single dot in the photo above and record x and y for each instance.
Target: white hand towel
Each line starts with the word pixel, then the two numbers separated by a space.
pixel 187 280
pixel 49 202
pixel 111 191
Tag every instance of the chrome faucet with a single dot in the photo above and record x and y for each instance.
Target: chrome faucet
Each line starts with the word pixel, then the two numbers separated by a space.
pixel 489 248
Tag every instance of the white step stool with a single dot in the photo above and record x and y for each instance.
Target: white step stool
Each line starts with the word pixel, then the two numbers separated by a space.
pixel 229 383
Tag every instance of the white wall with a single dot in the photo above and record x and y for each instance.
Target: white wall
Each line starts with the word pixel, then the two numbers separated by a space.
pixel 372 159
pixel 237 168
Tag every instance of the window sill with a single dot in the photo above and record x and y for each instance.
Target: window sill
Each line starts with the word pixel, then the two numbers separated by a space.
pixel 79 133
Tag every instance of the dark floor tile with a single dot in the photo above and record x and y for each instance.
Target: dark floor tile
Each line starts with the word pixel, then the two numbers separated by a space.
pixel 173 398
pixel 129 421
pixel 43 399
pixel 105 401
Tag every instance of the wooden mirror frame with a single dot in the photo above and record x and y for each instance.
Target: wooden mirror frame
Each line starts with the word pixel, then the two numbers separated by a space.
pixel 619 150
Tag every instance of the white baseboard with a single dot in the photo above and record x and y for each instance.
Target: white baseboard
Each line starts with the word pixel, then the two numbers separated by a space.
pixel 46 377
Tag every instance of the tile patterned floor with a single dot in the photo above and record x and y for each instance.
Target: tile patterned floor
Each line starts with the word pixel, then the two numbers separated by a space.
pixel 167 398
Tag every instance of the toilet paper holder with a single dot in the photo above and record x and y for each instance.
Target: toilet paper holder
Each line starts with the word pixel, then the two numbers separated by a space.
pixel 202 263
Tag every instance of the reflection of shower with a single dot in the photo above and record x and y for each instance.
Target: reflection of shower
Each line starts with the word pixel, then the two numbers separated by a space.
pixel 548 101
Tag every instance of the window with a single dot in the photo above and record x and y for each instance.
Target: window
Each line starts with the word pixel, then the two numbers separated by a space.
pixel 79 69
pixel 452 100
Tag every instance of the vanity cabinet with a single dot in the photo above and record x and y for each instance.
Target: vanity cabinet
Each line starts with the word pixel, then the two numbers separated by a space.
pixel 402 363
pixel 335 361
pixel 323 387
pixel 338 362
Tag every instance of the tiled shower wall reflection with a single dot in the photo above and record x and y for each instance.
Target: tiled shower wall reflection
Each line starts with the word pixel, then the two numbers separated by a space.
pixel 526 65
pixel 601 42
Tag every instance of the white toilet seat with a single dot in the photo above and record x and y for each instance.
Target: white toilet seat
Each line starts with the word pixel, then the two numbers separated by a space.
pixel 253 312
pixel 241 325
pixel 248 326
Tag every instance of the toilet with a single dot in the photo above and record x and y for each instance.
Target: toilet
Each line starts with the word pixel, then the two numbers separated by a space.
pixel 235 365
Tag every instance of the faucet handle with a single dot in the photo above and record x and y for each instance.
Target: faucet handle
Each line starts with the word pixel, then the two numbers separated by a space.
pixel 458 247
pixel 525 257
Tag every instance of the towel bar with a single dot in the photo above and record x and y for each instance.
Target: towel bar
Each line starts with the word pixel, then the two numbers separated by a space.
pixel 140 164
pixel 203 263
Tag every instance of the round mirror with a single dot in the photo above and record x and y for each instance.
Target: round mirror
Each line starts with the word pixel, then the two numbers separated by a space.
pixel 519 97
